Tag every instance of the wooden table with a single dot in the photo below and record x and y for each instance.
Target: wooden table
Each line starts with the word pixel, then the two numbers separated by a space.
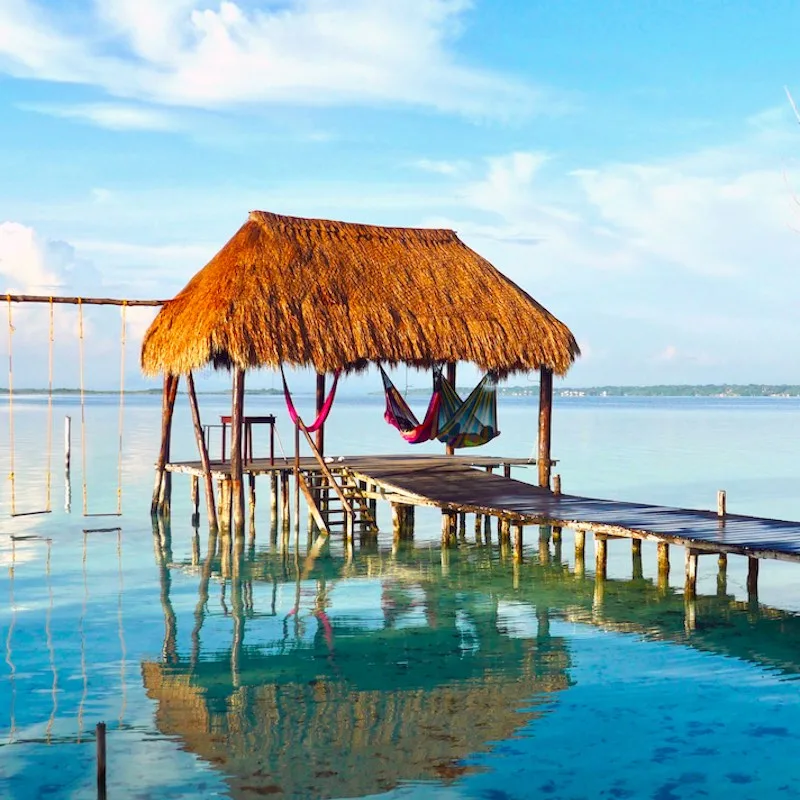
pixel 248 422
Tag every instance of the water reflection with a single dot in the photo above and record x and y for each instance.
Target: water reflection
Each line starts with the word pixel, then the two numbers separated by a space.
pixel 337 702
pixel 311 690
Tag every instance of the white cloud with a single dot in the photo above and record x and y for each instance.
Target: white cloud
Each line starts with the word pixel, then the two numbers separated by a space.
pixel 113 116
pixel 301 52
pixel 441 167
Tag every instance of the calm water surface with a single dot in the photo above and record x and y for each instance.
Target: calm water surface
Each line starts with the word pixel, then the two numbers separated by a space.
pixel 416 673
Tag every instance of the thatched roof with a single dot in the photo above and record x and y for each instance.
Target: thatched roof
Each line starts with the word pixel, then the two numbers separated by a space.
pixel 336 295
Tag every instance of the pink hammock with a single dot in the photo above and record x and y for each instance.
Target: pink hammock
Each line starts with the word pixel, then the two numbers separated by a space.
pixel 324 411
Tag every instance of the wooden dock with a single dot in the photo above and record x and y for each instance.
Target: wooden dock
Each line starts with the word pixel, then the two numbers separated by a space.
pixel 461 484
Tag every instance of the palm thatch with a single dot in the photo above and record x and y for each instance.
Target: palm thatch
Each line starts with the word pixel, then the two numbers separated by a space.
pixel 336 295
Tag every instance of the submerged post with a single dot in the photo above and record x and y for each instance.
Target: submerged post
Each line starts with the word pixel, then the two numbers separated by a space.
pixel 100 735
pixel 451 379
pixel 663 566
pixel 690 586
pixel 545 419
pixel 237 415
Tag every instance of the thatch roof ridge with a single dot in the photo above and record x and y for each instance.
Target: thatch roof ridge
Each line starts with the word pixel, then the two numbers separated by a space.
pixel 339 295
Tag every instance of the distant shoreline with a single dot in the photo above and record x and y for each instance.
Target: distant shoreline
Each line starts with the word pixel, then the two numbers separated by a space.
pixel 530 390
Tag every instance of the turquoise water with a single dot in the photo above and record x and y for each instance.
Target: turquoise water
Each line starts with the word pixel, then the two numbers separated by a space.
pixel 416 673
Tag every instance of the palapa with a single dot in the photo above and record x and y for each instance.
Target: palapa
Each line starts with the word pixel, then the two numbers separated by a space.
pixel 337 295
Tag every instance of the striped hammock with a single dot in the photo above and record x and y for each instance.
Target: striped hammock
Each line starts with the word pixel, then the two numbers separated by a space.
pixel 323 412
pixel 468 423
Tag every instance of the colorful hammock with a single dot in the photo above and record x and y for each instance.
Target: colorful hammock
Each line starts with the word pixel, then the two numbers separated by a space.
pixel 468 423
pixel 324 411
pixel 399 415
pixel 472 422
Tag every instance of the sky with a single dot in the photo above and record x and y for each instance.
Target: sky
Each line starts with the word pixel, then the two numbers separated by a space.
pixel 632 165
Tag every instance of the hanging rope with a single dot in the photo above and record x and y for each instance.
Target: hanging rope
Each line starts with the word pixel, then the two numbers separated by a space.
pixel 50 408
pixel 83 404
pixel 11 405
pixel 121 408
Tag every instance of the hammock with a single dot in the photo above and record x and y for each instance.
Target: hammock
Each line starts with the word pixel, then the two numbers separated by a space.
pixel 472 422
pixel 399 415
pixel 468 423
pixel 324 411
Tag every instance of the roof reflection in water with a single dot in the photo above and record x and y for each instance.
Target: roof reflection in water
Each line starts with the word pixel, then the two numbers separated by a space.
pixel 338 704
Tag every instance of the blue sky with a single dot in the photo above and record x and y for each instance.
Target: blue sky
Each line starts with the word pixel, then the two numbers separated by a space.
pixel 631 164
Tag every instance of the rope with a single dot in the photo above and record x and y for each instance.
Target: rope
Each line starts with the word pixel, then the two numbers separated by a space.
pixel 121 408
pixel 83 403
pixel 11 405
pixel 280 444
pixel 50 407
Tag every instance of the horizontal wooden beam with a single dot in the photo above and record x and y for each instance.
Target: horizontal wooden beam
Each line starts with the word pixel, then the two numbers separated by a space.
pixel 74 301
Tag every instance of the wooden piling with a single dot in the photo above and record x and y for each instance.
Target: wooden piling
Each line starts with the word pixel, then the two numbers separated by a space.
pixel 251 479
pixel 478 529
pixel 462 526
pixel 506 470
pixel 545 424
pixel 518 542
pixel 721 503
pixel 752 580
pixel 722 574
pixel 448 528
pixel 100 735
pixel 663 566
pixel 580 553
pixel 67 443
pixel 162 490
pixel 487 529
pixel 397 521
pixel 636 558
pixel 690 586
pixel 203 451
pixel 237 487
pixel 194 494
pixel 285 502
pixel 504 529
pixel 273 496
pixel 601 556
pixel 544 544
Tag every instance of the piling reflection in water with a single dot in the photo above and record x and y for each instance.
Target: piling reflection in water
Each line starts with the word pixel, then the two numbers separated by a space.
pixel 337 705
pixel 342 702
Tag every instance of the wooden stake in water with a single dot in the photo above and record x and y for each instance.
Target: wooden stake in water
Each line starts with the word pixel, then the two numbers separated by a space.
pixel 721 503
pixel 101 760
pixel 67 443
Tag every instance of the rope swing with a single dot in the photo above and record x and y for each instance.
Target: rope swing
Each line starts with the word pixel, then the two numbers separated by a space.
pixel 11 439
pixel 121 415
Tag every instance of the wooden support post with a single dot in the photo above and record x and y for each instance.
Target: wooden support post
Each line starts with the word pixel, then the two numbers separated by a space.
pixel 544 544
pixel 663 566
pixel 722 575
pixel 506 470
pixel 636 557
pixel 752 580
pixel 237 487
pixel 285 503
pixel 273 497
pixel 462 526
pixel 690 586
pixel 226 503
pixel 451 377
pixel 251 480
pixel 195 549
pixel 545 420
pixel 397 521
pixel 162 491
pixel 446 540
pixel 194 483
pixel 100 735
pixel 556 533
pixel 601 556
pixel 478 529
pixel 518 541
pixel 203 451
pixel 503 529
pixel 320 434
pixel 556 484
pixel 67 443
pixel 580 553
pixel 721 503
pixel 487 529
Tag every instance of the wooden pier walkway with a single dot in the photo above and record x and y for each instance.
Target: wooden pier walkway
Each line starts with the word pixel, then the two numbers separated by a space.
pixel 459 484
